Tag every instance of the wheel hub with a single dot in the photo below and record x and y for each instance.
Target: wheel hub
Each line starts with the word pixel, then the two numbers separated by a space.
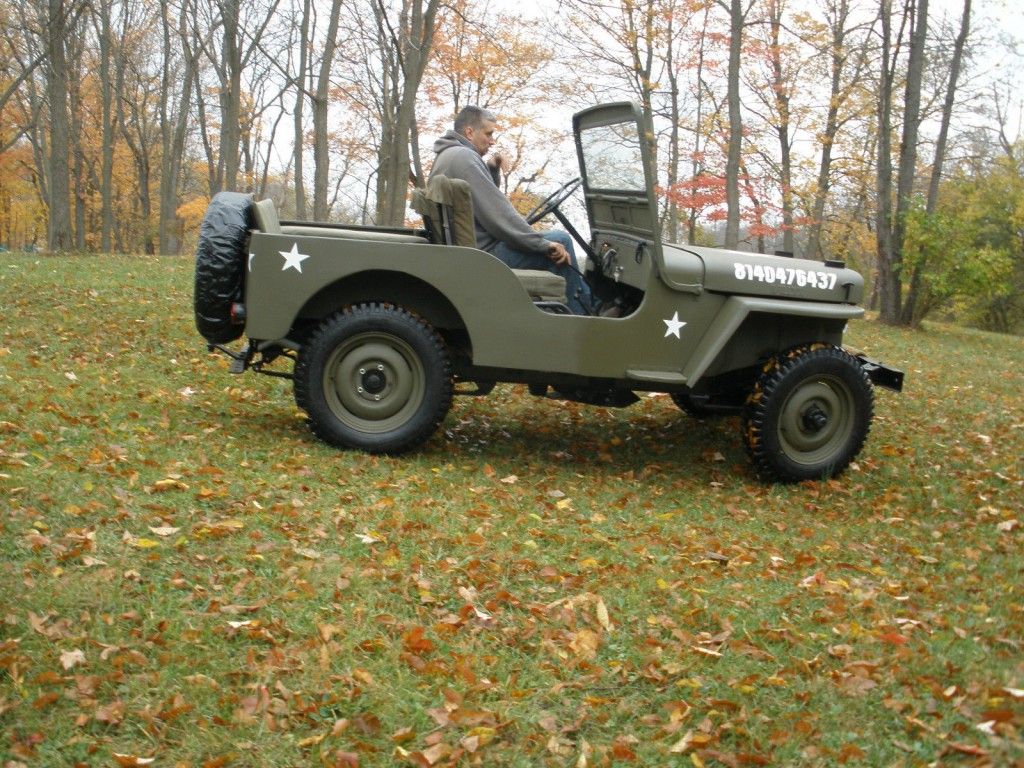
pixel 815 419
pixel 374 381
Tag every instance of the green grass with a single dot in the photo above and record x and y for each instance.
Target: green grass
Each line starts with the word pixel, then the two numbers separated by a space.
pixel 187 574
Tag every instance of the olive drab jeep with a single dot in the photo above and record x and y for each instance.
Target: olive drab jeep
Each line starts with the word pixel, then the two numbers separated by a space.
pixel 385 325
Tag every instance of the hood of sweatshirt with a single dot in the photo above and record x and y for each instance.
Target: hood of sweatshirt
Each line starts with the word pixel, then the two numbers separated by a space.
pixel 451 139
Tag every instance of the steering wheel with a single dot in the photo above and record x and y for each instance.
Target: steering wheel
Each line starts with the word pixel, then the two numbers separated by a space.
pixel 550 203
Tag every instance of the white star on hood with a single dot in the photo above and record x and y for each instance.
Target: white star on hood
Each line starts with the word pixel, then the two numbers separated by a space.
pixel 293 259
pixel 672 326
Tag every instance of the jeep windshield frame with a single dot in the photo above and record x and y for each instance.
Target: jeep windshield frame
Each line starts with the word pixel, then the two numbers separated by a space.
pixel 614 145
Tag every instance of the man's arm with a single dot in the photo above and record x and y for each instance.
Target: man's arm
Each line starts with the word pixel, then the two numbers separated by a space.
pixel 498 216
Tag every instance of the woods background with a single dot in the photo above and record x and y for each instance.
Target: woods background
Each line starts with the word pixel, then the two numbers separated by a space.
pixel 880 132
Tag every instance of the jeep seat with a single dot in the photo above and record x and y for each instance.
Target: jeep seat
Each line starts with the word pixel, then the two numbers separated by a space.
pixel 447 210
pixel 267 221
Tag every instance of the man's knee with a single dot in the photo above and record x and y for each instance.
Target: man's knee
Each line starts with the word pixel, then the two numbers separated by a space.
pixel 560 237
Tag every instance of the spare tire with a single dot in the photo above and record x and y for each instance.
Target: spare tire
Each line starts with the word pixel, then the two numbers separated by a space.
pixel 220 265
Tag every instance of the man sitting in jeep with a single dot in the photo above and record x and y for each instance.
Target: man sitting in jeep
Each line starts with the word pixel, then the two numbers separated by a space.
pixel 500 230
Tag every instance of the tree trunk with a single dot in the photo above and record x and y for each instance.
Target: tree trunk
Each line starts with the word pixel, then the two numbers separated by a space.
pixel 888 279
pixel 104 33
pixel 781 91
pixel 696 167
pixel 908 144
pixel 75 107
pixel 838 59
pixel 59 235
pixel 230 98
pixel 732 163
pixel 912 314
pixel 412 49
pixel 321 149
pixel 173 128
pixel 671 225
pixel 298 152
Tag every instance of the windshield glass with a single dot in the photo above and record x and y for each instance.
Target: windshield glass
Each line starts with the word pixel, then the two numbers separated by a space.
pixel 612 157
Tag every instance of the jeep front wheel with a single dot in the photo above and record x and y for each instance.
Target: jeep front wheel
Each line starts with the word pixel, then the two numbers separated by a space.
pixel 374 377
pixel 808 415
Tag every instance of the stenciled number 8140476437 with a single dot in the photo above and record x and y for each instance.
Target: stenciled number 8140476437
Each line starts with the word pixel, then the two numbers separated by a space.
pixel 785 275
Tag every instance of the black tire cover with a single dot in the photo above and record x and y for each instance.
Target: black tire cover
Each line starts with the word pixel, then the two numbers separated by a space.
pixel 220 264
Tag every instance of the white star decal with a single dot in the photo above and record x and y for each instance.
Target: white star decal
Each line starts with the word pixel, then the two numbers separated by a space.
pixel 672 326
pixel 293 259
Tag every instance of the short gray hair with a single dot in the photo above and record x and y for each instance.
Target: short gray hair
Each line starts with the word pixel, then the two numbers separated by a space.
pixel 473 117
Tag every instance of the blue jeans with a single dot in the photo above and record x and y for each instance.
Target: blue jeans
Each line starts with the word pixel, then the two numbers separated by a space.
pixel 577 292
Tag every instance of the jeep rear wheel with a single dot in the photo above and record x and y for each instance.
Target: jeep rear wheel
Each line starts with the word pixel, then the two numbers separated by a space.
pixel 376 378
pixel 808 415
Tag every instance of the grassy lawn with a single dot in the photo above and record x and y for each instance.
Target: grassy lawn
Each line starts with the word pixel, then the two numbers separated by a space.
pixel 186 574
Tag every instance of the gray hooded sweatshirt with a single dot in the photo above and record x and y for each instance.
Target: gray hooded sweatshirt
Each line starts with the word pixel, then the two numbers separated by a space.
pixel 493 215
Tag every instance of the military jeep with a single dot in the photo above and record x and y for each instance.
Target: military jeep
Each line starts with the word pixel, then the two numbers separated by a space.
pixel 385 325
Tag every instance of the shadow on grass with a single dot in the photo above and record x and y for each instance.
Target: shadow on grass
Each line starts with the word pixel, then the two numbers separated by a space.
pixel 515 432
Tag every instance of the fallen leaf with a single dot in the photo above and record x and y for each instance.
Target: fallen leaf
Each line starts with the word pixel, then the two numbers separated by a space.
pixel 127 761
pixel 71 659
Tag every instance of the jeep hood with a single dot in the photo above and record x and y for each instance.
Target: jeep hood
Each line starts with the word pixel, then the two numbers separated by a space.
pixel 694 268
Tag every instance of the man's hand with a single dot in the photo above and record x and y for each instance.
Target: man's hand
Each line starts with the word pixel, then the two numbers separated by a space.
pixel 558 254
pixel 497 161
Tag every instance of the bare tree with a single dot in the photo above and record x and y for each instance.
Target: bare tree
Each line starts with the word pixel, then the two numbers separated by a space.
pixel 909 314
pixel 233 55
pixel 58 21
pixel 891 221
pixel 404 50
pixel 846 59
pixel 737 21
pixel 321 102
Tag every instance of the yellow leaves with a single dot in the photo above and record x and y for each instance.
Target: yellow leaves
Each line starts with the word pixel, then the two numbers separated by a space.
pixel 166 485
pixel 218 528
pixel 584 643
pixel 478 737
pixel 689 742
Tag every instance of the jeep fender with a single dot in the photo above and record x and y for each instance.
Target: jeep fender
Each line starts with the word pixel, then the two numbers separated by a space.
pixel 736 309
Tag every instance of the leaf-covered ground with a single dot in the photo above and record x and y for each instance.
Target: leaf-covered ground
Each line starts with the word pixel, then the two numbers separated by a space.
pixel 188 578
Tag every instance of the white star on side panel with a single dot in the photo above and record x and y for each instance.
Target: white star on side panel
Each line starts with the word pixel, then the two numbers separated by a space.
pixel 673 325
pixel 293 259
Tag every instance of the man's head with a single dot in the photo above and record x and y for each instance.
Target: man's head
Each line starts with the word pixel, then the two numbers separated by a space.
pixel 478 125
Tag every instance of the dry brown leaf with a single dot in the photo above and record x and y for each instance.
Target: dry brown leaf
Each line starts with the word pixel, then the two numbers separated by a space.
pixel 71 659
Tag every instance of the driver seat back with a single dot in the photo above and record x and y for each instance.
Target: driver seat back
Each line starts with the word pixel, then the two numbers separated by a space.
pixel 446 206
pixel 447 210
